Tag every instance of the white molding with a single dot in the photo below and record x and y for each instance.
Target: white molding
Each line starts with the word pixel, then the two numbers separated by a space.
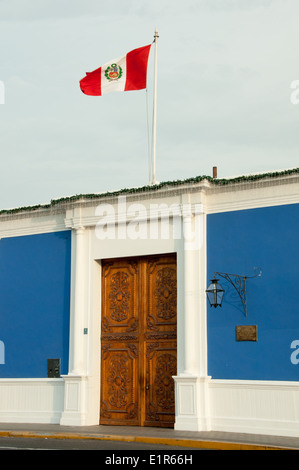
pixel 32 230
pixel 31 400
pixel 251 203
pixel 214 198
pixel 256 407
pixel 192 403
pixel 77 398
pixel 238 406
pixel 252 195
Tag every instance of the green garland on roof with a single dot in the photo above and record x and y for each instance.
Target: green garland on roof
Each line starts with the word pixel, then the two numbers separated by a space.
pixel 197 179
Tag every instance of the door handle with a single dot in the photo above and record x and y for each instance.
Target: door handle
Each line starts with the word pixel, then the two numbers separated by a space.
pixel 147 387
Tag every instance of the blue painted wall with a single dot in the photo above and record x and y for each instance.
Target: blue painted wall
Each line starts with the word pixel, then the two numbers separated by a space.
pixel 34 303
pixel 237 242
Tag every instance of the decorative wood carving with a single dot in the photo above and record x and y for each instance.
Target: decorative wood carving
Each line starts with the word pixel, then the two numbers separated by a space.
pixel 165 369
pixel 165 293
pixel 118 380
pixel 119 296
pixel 138 340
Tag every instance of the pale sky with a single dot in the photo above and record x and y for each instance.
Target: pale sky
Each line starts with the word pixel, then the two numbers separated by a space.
pixel 225 69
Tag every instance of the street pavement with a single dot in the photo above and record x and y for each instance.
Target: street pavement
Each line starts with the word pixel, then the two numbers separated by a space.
pixel 160 436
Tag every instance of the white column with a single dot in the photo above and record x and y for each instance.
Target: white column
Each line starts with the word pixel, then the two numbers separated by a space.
pixel 77 311
pixel 190 311
pixel 76 384
pixel 192 386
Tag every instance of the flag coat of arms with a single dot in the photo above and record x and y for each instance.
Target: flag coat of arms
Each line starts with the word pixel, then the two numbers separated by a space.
pixel 123 74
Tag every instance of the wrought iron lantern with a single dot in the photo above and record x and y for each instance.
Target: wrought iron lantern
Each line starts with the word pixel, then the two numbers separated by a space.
pixel 215 293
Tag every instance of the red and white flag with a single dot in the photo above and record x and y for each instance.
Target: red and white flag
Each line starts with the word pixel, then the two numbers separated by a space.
pixel 123 74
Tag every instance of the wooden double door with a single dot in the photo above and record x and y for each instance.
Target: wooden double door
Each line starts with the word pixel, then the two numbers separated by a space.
pixel 139 341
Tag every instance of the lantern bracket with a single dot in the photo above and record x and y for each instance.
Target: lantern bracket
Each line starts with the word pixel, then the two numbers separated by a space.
pixel 239 283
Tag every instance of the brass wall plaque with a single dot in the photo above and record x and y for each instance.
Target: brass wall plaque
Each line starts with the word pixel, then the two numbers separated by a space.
pixel 246 333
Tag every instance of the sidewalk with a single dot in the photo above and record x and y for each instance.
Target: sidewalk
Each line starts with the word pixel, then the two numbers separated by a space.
pixel 196 440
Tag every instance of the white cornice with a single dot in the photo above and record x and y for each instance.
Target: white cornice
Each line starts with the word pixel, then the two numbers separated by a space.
pixel 212 196
pixel 31 230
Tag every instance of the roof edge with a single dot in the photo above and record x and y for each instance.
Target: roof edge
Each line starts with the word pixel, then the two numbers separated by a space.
pixel 148 188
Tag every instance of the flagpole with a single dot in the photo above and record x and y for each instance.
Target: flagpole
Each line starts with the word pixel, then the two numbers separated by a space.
pixel 155 111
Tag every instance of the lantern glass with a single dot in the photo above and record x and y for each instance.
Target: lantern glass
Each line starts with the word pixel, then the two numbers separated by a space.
pixel 215 293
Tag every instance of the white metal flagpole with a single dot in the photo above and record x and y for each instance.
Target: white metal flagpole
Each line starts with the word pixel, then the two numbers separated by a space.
pixel 155 111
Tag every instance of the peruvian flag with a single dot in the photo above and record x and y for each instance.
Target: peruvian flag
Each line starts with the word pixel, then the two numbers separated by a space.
pixel 123 74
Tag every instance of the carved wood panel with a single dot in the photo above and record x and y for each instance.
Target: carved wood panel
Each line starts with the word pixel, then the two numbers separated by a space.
pixel 120 364
pixel 138 340
pixel 161 366
pixel 120 288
